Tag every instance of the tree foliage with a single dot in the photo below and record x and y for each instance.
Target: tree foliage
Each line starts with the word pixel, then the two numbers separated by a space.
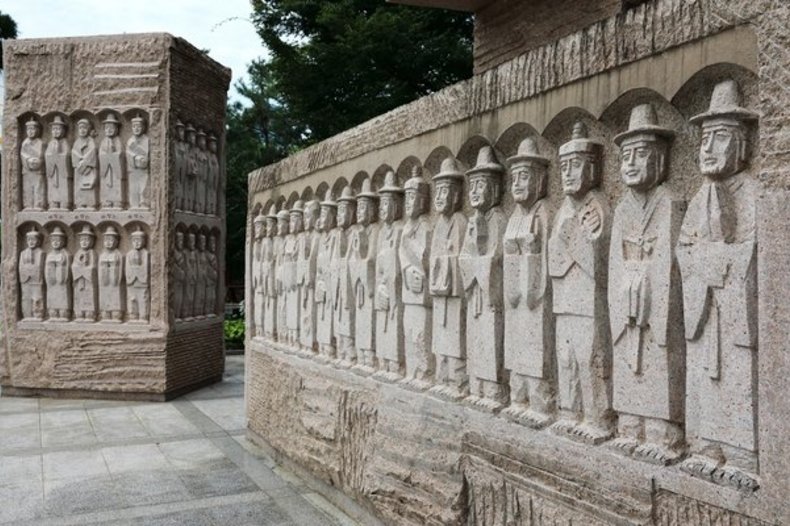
pixel 8 29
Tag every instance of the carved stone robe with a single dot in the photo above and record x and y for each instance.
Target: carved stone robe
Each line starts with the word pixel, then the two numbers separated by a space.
pixel 137 170
pixel 362 243
pixel 85 160
pixel 388 304
pixel 290 288
pixel 110 169
pixel 84 278
pixel 137 283
pixel 212 184
pixel 328 244
pixel 414 255
pixel 190 259
pixel 31 280
pixel 717 254
pixel 278 245
pixel 110 276
pixel 58 187
pixel 179 283
pixel 58 275
pixel 201 180
pixel 190 178
pixel 258 297
pixel 528 317
pixel 33 183
pixel 307 250
pixel 212 277
pixel 181 158
pixel 645 305
pixel 200 282
pixel 269 292
pixel 342 293
pixel 480 263
pixel 449 316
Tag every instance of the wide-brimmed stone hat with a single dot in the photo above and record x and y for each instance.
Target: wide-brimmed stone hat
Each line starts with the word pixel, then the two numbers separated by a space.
pixel 272 213
pixel 110 231
pixel 138 118
pixel 367 189
pixel 347 195
pixel 580 142
pixel 111 118
pixel 57 231
pixel 86 231
pixel 528 152
pixel 58 120
pixel 449 170
pixel 190 128
pixel 329 200
pixel 644 121
pixel 138 232
pixel 260 218
pixel 390 184
pixel 486 164
pixel 32 122
pixel 725 102
pixel 283 215
pixel 416 182
pixel 179 124
pixel 298 207
pixel 33 232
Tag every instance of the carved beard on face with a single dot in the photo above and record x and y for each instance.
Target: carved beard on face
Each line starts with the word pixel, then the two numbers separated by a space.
pixel 527 182
pixel 721 150
pixel 642 163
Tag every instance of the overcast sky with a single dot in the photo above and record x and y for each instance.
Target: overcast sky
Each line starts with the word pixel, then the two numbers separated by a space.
pixel 221 26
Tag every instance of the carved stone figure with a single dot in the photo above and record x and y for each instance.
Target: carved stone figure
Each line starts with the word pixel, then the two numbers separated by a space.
pixel 85 160
pixel 717 253
pixel 269 270
pixel 84 276
pixel 212 277
pixel 57 162
pixel 31 277
pixel 449 308
pixel 343 295
pixel 110 278
pixel 58 277
pixel 327 246
pixel 480 263
pixel 138 269
pixel 201 264
pixel 110 164
pixel 179 276
pixel 387 301
pixel 201 175
pixel 281 274
pixel 578 254
pixel 361 255
pixel 529 331
pixel 257 271
pixel 305 276
pixel 644 297
pixel 191 266
pixel 32 155
pixel 137 156
pixel 414 253
pixel 292 292
pixel 191 168
pixel 212 180
pixel 181 154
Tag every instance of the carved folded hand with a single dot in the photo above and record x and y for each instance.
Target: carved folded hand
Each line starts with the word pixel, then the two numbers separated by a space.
pixel 382 298
pixel 414 279
pixel 34 163
pixel 141 161
pixel 591 220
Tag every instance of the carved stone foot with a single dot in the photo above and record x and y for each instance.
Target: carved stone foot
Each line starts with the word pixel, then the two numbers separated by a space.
pixel 707 469
pixel 581 432
pixel 523 415
pixel 343 363
pixel 483 404
pixel 387 376
pixel 363 370
pixel 624 445
pixel 656 454
pixel 415 384
pixel 447 392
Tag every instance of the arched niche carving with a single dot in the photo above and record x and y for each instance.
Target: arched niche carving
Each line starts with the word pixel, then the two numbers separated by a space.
pixel 434 160
pixel 406 166
pixel 356 181
pixel 377 179
pixel 307 194
pixel 337 187
pixel 293 198
pixel 320 191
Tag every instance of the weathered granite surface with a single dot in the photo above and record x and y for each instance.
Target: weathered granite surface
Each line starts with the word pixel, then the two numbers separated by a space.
pixel 97 211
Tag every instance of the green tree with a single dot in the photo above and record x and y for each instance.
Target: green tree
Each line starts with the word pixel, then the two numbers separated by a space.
pixel 8 29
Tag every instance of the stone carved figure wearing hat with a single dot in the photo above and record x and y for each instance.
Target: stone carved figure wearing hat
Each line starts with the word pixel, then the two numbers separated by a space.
pixel 181 151
pixel 84 275
pixel 201 266
pixel 645 306
pixel 717 253
pixel 270 276
pixel 387 300
pixel 31 154
pixel 212 275
pixel 449 315
pixel 180 276
pixel 328 245
pixel 190 169
pixel 578 253
pixel 31 277
pixel 138 273
pixel 529 338
pixel 191 275
pixel 137 164
pixel 362 244
pixel 85 162
pixel 414 254
pixel 58 169
pixel 111 174
pixel 343 296
pixel 306 274
pixel 58 277
pixel 111 304
pixel 258 235
pixel 281 272
pixel 480 264
pixel 290 286
pixel 213 176
pixel 201 180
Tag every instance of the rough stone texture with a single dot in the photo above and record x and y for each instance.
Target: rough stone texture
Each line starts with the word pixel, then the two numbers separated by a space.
pixel 120 338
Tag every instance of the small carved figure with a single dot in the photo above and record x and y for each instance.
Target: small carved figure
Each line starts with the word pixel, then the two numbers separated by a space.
pixel 212 277
pixel 529 331
pixel 201 174
pixel 342 294
pixel 110 164
pixel 58 276
pixel 281 273
pixel 57 161
pixel 179 277
pixel 290 254
pixel 414 253
pixel 717 253
pixel 449 308
pixel 191 266
pixel 480 263
pixel 31 277
pixel 269 274
pixel 32 156
pixel 327 246
pixel 362 243
pixel 201 264
pixel 305 276
pixel 388 304
pixel 110 278
pixel 578 254
pixel 85 160
pixel 191 167
pixel 257 270
pixel 644 297
pixel 84 276
pixel 137 155
pixel 212 181
pixel 138 268
pixel 181 154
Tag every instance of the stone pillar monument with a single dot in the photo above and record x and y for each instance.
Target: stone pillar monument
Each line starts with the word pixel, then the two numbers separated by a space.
pixel 93 242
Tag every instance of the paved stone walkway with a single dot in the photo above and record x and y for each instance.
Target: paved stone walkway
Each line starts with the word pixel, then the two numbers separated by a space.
pixel 127 463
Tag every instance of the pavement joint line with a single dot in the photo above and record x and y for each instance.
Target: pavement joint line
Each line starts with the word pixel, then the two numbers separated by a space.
pixel 19 452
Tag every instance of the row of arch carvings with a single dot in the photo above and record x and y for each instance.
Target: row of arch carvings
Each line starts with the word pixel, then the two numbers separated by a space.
pixel 597 280
pixel 195 273
pixel 84 161
pixel 198 177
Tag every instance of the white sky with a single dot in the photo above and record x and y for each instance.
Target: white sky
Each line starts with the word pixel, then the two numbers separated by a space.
pixel 232 43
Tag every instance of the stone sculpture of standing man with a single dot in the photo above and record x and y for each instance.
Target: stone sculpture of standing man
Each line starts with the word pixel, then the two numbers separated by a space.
pixel 138 267
pixel 305 276
pixel 212 277
pixel 137 156
pixel 529 331
pixel 480 263
pixel 58 275
pixel 200 275
pixel 202 173
pixel 449 312
pixel 212 181
pixel 648 363
pixel 327 246
pixel 85 160
pixel 181 151
pixel 179 276
pixel 269 269
pixel 32 155
pixel 290 255
pixel 414 254
pixel 57 161
pixel 258 298
pixel 190 170
pixel 578 254
pixel 31 277
pixel 281 273
pixel 191 264
pixel 388 305
pixel 111 278
pixel 362 243
pixel 343 294
pixel 717 253
pixel 110 165
pixel 84 276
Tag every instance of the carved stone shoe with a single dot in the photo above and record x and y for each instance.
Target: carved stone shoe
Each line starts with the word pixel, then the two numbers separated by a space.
pixel 624 445
pixel 447 392
pixel 707 469
pixel 483 404
pixel 656 454
pixel 522 414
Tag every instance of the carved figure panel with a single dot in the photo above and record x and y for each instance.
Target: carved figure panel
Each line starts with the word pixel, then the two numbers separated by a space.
pixel 328 245
pixel 31 277
pixel 343 303
pixel 269 290
pixel 307 246
pixel 58 277
pixel 179 276
pixel 137 164
pixel 138 278
pixel 111 302
pixel 201 173
pixel 32 155
pixel 256 270
pixel 191 270
pixel 85 160
pixel 212 276
pixel 111 174
pixel 181 154
pixel 58 169
pixel 281 273
pixel 190 169
pixel 213 177
pixel 201 264
pixel 84 273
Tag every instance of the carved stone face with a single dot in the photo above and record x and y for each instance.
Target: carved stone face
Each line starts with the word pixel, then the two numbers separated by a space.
pixel 212 146
pixel 201 242
pixel 258 229
pixel 110 129
pixel 365 210
pixel 414 204
pixel 297 222
pixel 32 241
pixel 482 192
pixel 212 244
pixel 83 128
pixel 191 138
pixel 326 221
pixel 310 216
pixel 138 127
pixel 641 165
pixel 271 227
pixel 138 241
pixel 57 241
pixel 282 226
pixel 179 241
pixel 722 151
pixel 201 142
pixel 446 197
pixel 345 214
pixel 86 241
pixel 31 131
pixel 388 208
pixel 110 241
pixel 576 170
pixel 191 241
pixel 180 133
pixel 527 181
pixel 58 131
